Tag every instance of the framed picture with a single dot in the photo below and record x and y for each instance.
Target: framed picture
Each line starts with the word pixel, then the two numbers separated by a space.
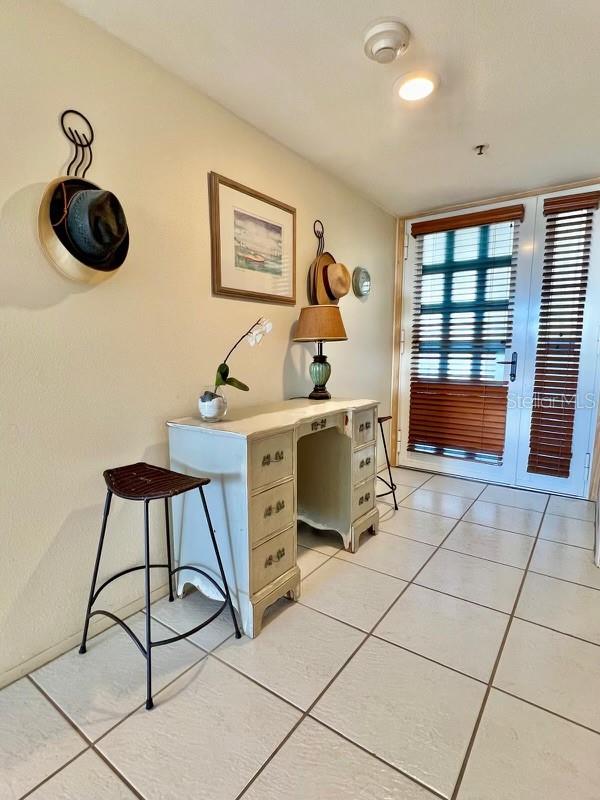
pixel 253 243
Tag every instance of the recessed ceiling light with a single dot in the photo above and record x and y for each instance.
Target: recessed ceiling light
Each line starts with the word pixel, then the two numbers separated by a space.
pixel 416 85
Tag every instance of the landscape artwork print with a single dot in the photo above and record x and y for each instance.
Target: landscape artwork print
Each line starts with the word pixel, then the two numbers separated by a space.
pixel 258 243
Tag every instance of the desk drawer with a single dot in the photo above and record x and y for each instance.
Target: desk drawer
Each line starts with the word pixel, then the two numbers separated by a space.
pixel 364 426
pixel 272 558
pixel 363 498
pixel 271 459
pixel 363 463
pixel 321 424
pixel 271 511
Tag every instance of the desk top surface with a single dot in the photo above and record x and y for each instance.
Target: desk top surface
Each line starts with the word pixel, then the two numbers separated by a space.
pixel 255 420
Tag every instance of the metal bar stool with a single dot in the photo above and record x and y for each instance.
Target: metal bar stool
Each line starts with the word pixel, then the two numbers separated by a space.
pixel 390 484
pixel 146 482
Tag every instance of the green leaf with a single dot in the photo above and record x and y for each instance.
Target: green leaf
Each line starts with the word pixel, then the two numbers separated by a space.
pixel 222 375
pixel 237 384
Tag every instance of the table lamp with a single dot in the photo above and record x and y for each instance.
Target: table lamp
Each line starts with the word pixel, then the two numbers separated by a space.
pixel 320 324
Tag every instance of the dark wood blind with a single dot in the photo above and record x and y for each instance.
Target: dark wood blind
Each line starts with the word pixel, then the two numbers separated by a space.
pixel 476 218
pixel 567 246
pixel 458 419
pixel 462 326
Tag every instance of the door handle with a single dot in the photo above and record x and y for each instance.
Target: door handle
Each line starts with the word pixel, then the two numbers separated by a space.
pixel 513 366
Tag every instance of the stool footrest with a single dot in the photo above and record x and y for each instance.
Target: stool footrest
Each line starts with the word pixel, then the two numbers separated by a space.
pixel 120 575
pixel 125 627
pixel 171 639
pixel 391 486
pixel 191 631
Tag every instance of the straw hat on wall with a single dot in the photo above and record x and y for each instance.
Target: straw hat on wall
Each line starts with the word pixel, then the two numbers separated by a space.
pixel 327 280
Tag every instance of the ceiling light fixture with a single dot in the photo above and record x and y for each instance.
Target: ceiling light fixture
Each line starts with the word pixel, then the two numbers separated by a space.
pixel 385 40
pixel 416 85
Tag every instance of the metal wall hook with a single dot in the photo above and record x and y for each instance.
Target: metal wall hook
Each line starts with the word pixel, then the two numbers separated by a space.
pixel 78 130
pixel 319 232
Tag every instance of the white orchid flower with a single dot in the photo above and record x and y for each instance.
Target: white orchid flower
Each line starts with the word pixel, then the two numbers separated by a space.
pixel 258 331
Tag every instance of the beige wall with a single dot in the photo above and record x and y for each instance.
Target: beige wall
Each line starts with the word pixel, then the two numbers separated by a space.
pixel 89 376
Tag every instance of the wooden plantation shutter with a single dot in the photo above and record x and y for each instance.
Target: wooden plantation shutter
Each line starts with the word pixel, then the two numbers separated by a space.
pixel 462 323
pixel 567 246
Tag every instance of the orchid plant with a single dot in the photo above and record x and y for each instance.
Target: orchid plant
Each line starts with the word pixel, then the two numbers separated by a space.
pixel 253 336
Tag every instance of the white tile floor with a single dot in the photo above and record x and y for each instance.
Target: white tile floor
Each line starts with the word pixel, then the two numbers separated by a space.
pixel 453 656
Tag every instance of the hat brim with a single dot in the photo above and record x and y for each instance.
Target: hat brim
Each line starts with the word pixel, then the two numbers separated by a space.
pixel 57 244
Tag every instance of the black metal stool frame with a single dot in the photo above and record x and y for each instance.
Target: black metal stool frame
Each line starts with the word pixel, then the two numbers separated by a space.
pixel 147 566
pixel 390 484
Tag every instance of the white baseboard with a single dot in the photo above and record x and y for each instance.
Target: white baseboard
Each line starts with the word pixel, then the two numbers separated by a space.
pixel 97 625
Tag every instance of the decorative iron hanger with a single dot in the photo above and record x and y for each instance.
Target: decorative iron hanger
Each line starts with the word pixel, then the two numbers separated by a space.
pixel 319 231
pixel 78 130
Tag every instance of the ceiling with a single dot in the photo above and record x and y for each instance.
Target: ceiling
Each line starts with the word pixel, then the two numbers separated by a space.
pixel 523 77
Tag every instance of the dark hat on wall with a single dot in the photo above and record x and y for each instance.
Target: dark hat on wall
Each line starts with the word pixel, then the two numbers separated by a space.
pixel 82 229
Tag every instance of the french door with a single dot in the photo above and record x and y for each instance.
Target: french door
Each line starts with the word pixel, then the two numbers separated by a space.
pixel 498 372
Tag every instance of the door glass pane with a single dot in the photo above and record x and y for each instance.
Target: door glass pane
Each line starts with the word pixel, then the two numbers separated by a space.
pixel 466 244
pixel 434 249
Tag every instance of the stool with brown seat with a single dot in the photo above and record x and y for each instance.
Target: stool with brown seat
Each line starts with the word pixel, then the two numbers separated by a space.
pixel 145 482
pixel 390 484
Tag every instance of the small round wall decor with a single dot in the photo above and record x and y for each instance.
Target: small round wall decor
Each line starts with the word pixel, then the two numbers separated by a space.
pixel 361 282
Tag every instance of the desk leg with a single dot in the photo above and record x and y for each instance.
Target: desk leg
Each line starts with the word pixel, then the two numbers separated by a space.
pixel 286 586
pixel 370 522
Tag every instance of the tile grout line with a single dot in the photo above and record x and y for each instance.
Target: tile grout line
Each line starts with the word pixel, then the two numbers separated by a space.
pixel 489 560
pixel 556 630
pixel 92 743
pixel 63 714
pixel 491 527
pixel 154 694
pixel 53 774
pixel 475 731
pixel 538 492
pixel 118 774
pixel 547 710
pixel 566 580
pixel 379 758
pixel 344 665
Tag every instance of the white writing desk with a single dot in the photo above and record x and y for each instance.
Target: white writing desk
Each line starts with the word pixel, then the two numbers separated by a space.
pixel 269 467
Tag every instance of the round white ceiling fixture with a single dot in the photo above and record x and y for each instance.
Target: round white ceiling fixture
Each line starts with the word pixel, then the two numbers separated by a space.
pixel 416 85
pixel 385 40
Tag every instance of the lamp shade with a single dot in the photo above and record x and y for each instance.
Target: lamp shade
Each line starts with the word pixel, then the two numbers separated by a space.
pixel 320 324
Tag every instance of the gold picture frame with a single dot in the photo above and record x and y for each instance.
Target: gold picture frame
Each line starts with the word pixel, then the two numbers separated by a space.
pixel 253 243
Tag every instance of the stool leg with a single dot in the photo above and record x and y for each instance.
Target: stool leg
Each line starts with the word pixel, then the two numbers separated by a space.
pixel 389 468
pixel 169 564
pixel 86 625
pixel 238 635
pixel 149 702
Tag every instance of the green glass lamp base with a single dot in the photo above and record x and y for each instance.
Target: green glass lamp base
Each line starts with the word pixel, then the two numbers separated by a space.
pixel 319 370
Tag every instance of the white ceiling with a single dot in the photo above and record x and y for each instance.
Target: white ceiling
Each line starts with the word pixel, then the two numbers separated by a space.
pixel 521 75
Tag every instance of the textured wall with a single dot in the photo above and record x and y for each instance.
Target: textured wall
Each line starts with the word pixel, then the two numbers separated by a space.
pixel 88 376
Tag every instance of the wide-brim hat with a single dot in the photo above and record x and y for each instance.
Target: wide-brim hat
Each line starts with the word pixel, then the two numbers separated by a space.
pixel 82 229
pixel 328 280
